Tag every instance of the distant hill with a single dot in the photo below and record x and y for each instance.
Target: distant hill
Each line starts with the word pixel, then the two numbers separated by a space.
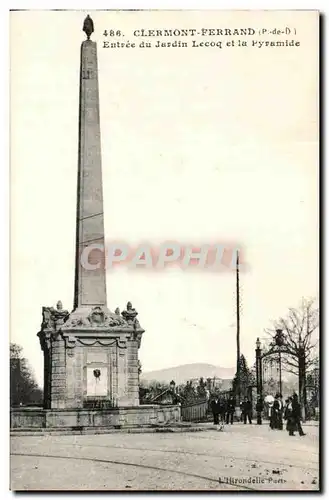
pixel 183 373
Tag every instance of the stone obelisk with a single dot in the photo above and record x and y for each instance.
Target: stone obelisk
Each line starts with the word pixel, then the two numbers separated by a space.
pixel 90 354
pixel 90 277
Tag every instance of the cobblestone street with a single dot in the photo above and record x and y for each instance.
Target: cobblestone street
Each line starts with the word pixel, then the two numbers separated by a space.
pixel 241 457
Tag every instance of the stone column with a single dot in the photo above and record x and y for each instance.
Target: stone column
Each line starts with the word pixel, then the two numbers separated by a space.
pixel 122 368
pixel 58 375
pixel 78 374
pixel 133 382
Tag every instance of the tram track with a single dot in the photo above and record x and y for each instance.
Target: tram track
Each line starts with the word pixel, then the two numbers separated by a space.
pixel 130 464
pixel 183 452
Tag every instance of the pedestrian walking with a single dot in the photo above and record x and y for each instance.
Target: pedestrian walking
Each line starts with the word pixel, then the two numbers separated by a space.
pixel 293 415
pixel 296 412
pixel 291 424
pixel 246 407
pixel 222 410
pixel 259 410
pixel 230 410
pixel 215 410
pixel 276 414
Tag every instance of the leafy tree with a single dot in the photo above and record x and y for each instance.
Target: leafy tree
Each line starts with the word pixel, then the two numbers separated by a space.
pixel 23 387
pixel 188 393
pixel 246 379
pixel 143 393
pixel 148 391
pixel 209 383
pixel 201 389
pixel 270 386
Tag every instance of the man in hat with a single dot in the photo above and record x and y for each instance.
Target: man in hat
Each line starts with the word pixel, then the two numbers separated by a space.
pixel 215 409
pixel 246 407
pixel 230 410
pixel 296 415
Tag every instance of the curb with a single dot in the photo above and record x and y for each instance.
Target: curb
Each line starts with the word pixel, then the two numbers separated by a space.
pixel 93 431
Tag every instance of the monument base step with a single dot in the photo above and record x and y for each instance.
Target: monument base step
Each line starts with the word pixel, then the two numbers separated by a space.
pixel 175 428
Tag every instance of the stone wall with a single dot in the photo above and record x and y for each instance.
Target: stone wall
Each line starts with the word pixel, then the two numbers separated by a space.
pixel 139 416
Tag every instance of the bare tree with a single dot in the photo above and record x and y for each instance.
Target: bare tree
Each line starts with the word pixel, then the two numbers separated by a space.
pixel 300 330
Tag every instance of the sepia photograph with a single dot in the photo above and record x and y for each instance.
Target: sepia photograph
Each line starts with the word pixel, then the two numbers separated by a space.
pixel 164 247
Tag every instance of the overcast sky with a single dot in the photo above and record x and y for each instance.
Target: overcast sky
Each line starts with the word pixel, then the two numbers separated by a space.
pixel 198 145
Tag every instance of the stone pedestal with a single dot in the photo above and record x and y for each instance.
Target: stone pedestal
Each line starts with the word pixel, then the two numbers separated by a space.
pixel 91 358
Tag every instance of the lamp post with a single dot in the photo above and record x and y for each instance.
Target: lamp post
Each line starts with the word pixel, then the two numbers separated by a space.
pixel 259 381
pixel 259 375
pixel 279 342
pixel 238 363
pixel 302 376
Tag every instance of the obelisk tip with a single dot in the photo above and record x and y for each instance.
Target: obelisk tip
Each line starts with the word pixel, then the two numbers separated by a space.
pixel 88 26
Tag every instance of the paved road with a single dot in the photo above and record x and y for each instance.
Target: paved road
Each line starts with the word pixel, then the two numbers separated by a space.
pixel 243 456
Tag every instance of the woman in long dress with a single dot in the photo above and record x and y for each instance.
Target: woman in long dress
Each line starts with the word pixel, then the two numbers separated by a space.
pixel 290 418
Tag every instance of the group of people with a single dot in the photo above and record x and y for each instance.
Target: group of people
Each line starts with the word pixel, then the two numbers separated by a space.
pixel 290 411
pixel 223 410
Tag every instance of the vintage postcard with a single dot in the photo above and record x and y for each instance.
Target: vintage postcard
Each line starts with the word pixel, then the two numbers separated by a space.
pixel 164 250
